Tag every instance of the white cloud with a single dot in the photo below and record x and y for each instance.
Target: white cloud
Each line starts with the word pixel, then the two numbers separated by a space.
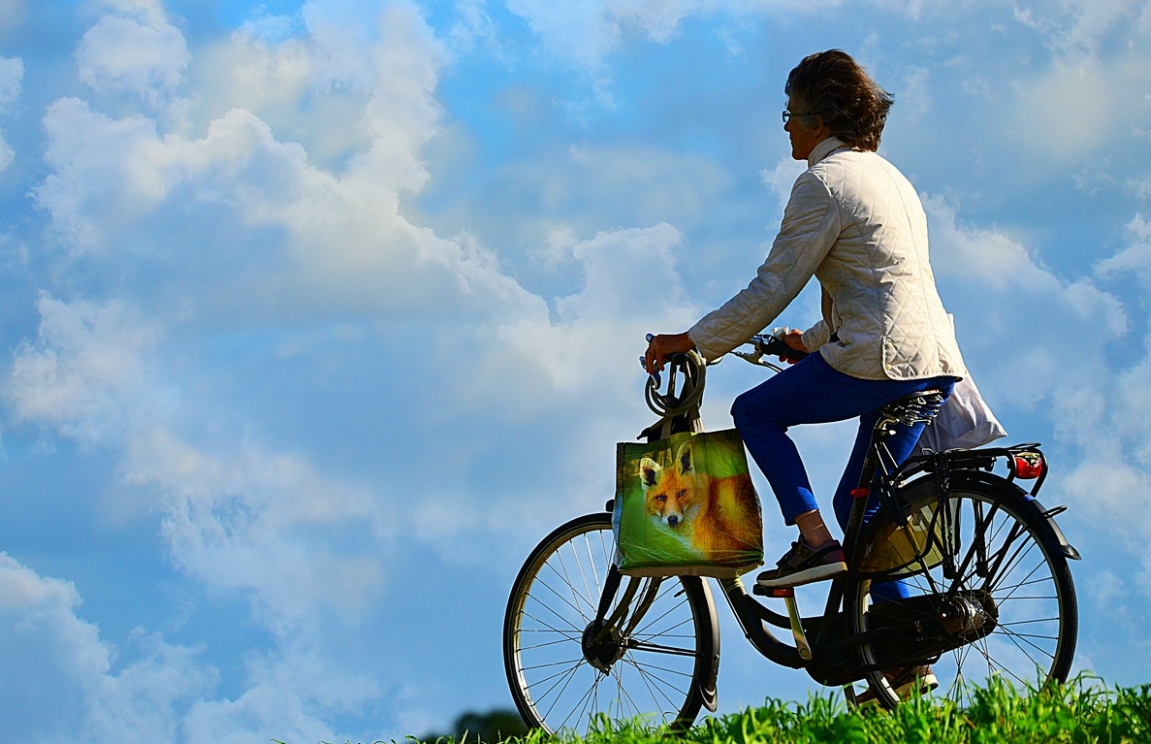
pixel 585 33
pixel 628 274
pixel 305 550
pixel 577 373
pixel 1078 28
pixel 11 78
pixel 581 32
pixel 62 680
pixel 1079 107
pixel 88 360
pixel 149 698
pixel 102 178
pixel 142 55
pixel 1090 98
pixel 1042 341
pixel 267 526
pixel 631 287
pixel 235 230
pixel 782 178
pixel 1134 259
pixel 1018 317
pixel 338 241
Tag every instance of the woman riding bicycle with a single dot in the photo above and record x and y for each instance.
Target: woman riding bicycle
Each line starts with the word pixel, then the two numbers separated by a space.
pixel 855 223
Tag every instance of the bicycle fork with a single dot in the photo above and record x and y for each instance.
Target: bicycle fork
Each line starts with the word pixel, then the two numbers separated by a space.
pixel 606 638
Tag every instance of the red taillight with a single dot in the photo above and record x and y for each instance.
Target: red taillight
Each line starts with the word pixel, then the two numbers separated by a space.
pixel 1029 465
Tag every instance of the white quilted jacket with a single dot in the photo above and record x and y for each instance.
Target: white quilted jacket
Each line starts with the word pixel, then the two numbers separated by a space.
pixel 857 225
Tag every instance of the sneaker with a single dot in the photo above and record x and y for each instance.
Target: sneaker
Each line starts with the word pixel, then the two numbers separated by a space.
pixel 904 682
pixel 804 564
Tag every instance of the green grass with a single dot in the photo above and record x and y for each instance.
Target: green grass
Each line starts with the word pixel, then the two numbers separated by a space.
pixel 1084 710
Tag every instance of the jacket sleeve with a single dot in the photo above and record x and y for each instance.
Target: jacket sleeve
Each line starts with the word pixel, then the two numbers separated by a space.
pixel 816 336
pixel 811 225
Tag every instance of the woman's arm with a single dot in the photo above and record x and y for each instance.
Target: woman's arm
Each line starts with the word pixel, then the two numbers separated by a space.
pixel 811 225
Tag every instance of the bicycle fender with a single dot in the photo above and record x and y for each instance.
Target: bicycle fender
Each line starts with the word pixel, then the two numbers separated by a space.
pixel 1057 541
pixel 1054 540
pixel 710 693
pixel 708 686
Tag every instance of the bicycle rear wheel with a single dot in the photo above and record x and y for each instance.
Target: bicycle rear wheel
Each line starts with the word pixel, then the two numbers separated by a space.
pixel 997 602
pixel 657 660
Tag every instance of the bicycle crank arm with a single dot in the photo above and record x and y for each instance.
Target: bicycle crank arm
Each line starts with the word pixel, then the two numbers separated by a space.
pixel 801 644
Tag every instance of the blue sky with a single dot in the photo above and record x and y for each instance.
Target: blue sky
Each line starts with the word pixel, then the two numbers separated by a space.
pixel 317 316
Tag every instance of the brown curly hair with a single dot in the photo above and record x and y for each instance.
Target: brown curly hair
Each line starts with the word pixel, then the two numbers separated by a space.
pixel 835 87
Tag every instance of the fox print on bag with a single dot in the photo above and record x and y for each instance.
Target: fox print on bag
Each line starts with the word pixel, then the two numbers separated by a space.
pixel 694 512
pixel 708 514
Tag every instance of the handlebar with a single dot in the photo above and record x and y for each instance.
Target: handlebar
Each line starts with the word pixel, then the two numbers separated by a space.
pixel 769 345
pixel 763 345
pixel 687 371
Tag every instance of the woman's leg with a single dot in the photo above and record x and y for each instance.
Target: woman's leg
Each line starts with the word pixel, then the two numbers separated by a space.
pixel 809 392
pixel 812 392
pixel 900 445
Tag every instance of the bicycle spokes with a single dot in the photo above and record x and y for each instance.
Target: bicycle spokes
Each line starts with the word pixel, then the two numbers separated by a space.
pixel 581 641
pixel 997 604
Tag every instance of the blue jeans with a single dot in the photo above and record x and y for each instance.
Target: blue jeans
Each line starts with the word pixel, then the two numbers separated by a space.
pixel 812 392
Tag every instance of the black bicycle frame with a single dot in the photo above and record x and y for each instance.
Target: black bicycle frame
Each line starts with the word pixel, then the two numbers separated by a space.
pixel 833 660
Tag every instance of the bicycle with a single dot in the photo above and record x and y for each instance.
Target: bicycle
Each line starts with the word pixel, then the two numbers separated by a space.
pixel 985 562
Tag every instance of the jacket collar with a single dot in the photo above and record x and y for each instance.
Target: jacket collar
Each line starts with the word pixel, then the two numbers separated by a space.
pixel 823 149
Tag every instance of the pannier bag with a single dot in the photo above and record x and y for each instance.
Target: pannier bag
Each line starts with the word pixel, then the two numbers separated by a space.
pixel 686 505
pixel 966 421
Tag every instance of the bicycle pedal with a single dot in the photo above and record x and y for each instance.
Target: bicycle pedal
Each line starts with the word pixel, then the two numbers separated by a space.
pixel 779 592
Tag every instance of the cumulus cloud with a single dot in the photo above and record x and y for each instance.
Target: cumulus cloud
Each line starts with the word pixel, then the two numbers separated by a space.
pixel 1112 430
pixel 303 549
pixel 781 179
pixel 334 242
pixel 1080 107
pixel 1079 28
pixel 184 236
pixel 58 662
pixel 88 361
pixel 138 52
pixel 585 33
pixel 1135 259
pixel 991 263
pixel 1086 100
pixel 1042 341
pixel 267 238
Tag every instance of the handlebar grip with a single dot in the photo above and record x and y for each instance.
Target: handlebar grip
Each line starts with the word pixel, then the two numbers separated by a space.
pixel 772 346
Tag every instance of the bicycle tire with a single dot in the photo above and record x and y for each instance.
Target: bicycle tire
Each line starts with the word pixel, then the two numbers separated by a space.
pixel 1012 612
pixel 660 672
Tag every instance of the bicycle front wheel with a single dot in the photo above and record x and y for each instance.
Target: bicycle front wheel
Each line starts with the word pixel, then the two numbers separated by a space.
pixel 656 660
pixel 988 595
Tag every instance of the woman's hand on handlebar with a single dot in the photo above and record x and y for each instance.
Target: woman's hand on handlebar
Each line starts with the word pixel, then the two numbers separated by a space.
pixel 660 347
pixel 794 340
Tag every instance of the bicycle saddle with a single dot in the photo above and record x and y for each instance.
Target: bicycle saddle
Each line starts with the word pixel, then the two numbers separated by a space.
pixel 914 408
